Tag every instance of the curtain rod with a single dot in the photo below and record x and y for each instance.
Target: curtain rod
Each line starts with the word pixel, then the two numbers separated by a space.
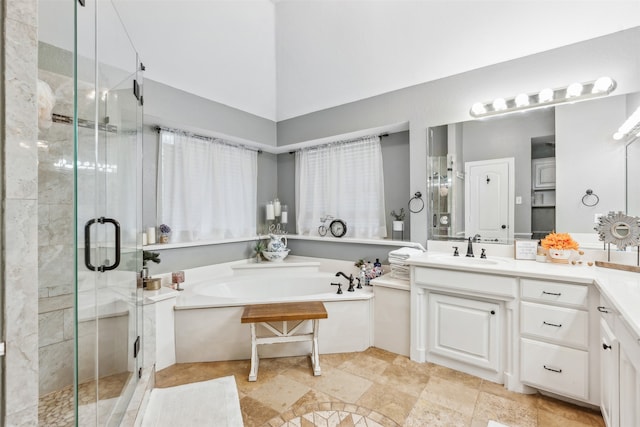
pixel 159 128
pixel 382 135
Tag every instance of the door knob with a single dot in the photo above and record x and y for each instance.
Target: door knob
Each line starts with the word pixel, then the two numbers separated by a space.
pixel 503 226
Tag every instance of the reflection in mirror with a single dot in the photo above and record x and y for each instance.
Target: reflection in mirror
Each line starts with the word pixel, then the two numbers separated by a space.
pixel 620 230
pixel 556 152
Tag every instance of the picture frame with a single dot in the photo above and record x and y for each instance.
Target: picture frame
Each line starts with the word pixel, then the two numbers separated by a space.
pixel 525 249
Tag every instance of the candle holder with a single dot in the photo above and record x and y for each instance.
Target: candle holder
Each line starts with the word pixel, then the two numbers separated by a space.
pixel 277 217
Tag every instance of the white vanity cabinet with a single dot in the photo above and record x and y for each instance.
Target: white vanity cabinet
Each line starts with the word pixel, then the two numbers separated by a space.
pixel 619 369
pixel 555 338
pixel 465 329
pixel 462 320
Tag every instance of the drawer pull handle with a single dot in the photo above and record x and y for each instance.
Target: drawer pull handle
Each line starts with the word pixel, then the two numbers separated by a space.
pixel 558 325
pixel 555 294
pixel 551 369
pixel 606 347
pixel 602 309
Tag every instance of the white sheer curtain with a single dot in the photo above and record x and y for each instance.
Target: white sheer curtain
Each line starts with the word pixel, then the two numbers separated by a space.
pixel 344 180
pixel 207 189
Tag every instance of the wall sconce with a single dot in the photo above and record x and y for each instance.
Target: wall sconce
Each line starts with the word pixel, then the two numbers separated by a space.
pixel 545 98
pixel 631 126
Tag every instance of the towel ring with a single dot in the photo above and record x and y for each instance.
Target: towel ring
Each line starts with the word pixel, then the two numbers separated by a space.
pixel 590 198
pixel 416 204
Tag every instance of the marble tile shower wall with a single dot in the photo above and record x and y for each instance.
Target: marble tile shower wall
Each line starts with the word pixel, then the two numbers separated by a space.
pixel 56 239
pixel 19 228
pixel 55 244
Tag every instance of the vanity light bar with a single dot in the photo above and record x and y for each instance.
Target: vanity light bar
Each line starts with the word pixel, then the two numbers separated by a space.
pixel 545 98
pixel 631 126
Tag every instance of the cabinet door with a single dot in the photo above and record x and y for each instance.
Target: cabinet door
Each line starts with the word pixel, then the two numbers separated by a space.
pixel 608 375
pixel 544 173
pixel 629 392
pixel 465 330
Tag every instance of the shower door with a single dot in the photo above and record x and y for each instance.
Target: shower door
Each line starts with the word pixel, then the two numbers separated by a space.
pixel 108 121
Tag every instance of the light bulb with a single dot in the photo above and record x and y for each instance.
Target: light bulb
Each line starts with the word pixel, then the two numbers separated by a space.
pixel 499 104
pixel 603 84
pixel 545 95
pixel 478 108
pixel 522 100
pixel 574 89
pixel 618 136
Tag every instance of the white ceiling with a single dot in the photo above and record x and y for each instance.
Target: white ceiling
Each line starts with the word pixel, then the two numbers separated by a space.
pixel 279 59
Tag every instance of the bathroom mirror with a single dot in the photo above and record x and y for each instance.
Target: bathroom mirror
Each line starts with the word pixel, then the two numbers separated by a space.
pixel 582 135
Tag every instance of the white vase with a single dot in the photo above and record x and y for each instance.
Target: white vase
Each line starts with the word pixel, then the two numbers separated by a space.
pixel 560 256
pixel 398 225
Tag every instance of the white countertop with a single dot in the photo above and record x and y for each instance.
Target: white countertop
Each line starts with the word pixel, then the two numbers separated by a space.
pixel 620 287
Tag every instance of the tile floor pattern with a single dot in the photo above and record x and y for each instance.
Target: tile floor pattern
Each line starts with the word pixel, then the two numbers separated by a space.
pixel 388 389
pixel 56 408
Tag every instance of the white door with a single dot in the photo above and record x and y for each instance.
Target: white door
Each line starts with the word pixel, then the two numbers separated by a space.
pixel 489 193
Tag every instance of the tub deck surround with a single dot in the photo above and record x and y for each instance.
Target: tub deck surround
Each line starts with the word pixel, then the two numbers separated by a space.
pixel 266 314
pixel 207 313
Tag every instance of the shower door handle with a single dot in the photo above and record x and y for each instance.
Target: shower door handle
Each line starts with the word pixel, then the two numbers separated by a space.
pixel 87 244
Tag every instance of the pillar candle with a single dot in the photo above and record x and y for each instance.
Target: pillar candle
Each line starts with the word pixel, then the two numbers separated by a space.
pixel 144 239
pixel 276 207
pixel 151 235
pixel 284 215
pixel 270 212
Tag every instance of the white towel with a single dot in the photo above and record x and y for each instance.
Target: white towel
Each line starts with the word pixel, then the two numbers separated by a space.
pixel 404 253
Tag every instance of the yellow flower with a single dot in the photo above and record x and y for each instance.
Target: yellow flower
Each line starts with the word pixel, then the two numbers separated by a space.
pixel 559 241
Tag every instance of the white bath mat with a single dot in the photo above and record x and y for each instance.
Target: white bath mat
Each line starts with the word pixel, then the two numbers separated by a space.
pixel 206 403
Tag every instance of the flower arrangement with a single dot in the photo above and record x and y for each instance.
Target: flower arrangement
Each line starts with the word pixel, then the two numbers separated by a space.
pixel 398 216
pixel 164 229
pixel 559 241
pixel 150 256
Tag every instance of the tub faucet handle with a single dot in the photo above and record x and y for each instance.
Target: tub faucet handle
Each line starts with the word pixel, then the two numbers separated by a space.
pixel 455 251
pixel 359 283
pixel 483 255
pixel 339 285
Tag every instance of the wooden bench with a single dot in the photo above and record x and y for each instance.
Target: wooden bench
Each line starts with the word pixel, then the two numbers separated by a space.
pixel 284 312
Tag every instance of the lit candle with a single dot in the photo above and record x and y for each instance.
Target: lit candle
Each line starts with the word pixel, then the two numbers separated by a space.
pixel 276 207
pixel 270 212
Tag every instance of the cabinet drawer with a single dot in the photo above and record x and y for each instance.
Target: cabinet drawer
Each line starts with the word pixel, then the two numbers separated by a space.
pixel 451 280
pixel 555 292
pixel 566 326
pixel 555 368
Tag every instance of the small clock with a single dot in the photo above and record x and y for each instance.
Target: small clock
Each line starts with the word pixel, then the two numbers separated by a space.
pixel 338 228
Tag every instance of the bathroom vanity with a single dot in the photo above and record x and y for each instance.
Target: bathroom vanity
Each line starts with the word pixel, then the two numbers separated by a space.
pixel 571 331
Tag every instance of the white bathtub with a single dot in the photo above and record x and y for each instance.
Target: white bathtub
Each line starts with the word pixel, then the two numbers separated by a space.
pixel 207 315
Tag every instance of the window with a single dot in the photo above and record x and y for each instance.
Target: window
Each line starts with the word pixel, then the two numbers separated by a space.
pixel 344 180
pixel 207 188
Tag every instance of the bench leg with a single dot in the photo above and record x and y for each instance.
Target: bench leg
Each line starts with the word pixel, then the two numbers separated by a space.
pixel 315 355
pixel 255 361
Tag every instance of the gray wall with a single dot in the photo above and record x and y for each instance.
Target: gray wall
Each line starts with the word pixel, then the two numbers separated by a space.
pixel 584 141
pixel 395 158
pixel 172 107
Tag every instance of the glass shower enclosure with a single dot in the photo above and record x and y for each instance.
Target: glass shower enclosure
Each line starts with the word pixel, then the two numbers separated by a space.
pixel 90 157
